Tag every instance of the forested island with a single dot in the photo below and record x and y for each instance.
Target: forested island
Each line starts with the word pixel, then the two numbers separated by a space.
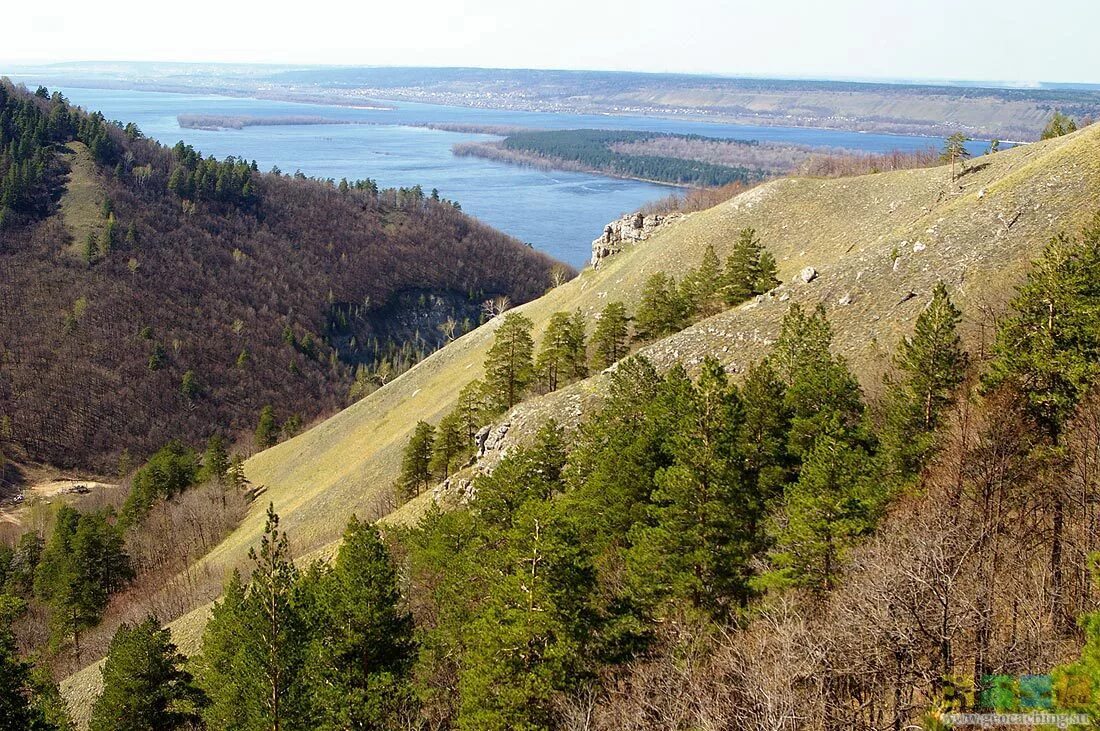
pixel 221 121
pixel 592 150
pixel 682 159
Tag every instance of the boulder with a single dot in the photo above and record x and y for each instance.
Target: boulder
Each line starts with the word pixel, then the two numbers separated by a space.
pixel 808 275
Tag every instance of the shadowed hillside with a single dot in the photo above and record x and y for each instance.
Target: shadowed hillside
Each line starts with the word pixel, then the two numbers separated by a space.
pixel 148 294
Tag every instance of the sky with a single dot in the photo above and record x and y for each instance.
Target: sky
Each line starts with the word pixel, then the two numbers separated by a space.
pixel 982 40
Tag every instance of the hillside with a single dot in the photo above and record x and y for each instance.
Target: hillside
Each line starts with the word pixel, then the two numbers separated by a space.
pixel 977 236
pixel 150 294
pixel 877 244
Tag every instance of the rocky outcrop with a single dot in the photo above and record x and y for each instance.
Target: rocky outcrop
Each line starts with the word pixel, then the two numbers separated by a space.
pixel 629 229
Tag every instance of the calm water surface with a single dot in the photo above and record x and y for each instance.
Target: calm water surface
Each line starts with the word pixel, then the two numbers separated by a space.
pixel 557 212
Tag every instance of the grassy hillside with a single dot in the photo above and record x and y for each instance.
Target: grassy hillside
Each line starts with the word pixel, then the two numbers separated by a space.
pixel 878 244
pixel 848 229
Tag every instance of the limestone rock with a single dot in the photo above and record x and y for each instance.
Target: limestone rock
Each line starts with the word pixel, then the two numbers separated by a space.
pixel 808 275
pixel 629 229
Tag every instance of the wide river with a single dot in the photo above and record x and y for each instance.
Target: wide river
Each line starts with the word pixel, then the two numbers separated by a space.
pixel 557 212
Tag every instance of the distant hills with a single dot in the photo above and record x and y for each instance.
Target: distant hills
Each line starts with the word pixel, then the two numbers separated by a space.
pixel 986 111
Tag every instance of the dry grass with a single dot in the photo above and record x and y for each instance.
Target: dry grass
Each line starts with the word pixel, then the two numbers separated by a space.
pixel 878 241
pixel 82 202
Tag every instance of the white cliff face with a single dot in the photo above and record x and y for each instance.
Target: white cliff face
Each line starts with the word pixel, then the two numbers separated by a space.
pixel 629 229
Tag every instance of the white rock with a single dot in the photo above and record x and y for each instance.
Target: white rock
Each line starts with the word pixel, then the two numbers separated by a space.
pixel 808 275
pixel 918 247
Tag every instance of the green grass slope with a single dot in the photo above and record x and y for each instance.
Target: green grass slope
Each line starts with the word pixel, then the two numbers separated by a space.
pixel 878 242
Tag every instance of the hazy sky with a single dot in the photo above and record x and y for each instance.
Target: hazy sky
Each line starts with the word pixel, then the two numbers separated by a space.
pixel 1009 40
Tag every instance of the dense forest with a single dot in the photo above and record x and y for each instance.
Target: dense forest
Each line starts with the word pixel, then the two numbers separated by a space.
pixel 598 150
pixel 184 294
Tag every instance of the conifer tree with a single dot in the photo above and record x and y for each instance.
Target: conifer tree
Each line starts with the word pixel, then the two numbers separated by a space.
pixel 955 152
pixel 18 711
pixel 742 274
pixel 450 444
pixel 215 461
pixel 762 438
pixel 361 637
pixel 416 463
pixel 1049 349
pixel 701 285
pixel 932 365
pixel 610 339
pixel 472 408
pixel 531 473
pixel 561 354
pixel 509 367
pixel 821 393
pixel 703 515
pixel 267 428
pixel 145 687
pixel 834 503
pixel 661 311
pixel 82 564
pixel 1059 124
pixel 767 273
pixel 225 669
pixel 254 646
pixel 522 650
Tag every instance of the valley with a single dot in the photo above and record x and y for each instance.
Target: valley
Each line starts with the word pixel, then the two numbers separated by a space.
pixel 324 412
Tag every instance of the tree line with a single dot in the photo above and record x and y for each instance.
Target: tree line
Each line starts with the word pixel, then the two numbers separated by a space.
pixel 598 150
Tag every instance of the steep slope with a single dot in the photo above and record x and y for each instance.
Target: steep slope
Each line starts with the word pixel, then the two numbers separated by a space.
pixel 126 266
pixel 878 243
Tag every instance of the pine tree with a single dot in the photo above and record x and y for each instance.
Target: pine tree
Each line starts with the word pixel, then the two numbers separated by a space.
pixel 18 711
pixel 822 395
pixel 472 408
pixel 834 503
pixel 523 650
pixel 82 564
pixel 701 286
pixel 91 248
pixel 254 646
pixel 450 444
pixel 225 669
pixel 145 687
pixel 661 310
pixel 1049 349
pixel 267 428
pixel 767 274
pixel 932 365
pixel 416 463
pixel 361 642
pixel 703 514
pixel 509 367
pixel 561 354
pixel 611 336
pixel 955 152
pixel 531 473
pixel 215 461
pixel 1059 125
pixel 763 436
pixel 742 275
